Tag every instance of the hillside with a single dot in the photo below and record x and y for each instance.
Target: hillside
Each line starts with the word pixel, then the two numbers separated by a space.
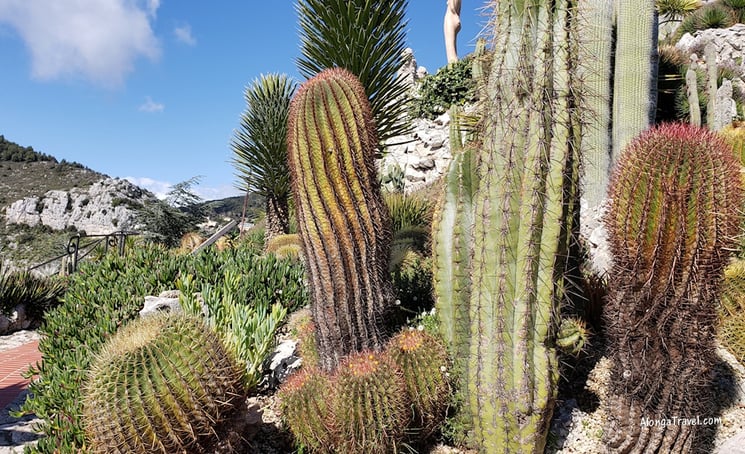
pixel 43 202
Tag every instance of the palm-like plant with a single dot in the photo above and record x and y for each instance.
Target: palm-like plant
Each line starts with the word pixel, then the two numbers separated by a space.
pixel 367 37
pixel 260 147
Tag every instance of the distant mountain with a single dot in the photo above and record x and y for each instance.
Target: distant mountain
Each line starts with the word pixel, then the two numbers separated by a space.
pixel 232 207
pixel 44 201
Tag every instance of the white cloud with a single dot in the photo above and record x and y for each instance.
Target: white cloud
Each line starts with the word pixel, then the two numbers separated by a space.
pixel 151 106
pixel 159 188
pixel 98 40
pixel 183 34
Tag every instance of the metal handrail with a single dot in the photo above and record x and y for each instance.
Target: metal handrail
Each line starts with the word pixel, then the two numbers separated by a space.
pixel 74 249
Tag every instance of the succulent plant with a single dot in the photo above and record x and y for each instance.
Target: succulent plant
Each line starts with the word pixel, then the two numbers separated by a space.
pixel 371 405
pixel 305 405
pixel 342 219
pixel 676 202
pixel 423 361
pixel 163 383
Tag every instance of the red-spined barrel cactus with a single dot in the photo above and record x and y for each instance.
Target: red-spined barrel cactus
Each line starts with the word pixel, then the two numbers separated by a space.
pixel 676 198
pixel 424 364
pixel 343 222
pixel 371 406
pixel 305 405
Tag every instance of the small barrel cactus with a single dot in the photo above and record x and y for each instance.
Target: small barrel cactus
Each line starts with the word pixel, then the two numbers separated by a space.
pixel 305 406
pixel 572 336
pixel 163 383
pixel 371 407
pixel 424 364
pixel 732 300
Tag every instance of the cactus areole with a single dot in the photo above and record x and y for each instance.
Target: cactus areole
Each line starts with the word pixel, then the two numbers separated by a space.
pixel 343 222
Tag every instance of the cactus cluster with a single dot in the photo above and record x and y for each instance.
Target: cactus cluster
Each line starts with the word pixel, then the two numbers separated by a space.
pixel 374 402
pixel 163 383
pixel 343 222
pixel 676 197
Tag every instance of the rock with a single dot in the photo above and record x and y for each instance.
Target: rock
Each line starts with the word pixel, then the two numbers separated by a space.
pixel 156 304
pixel 104 207
pixel 4 324
pixel 280 364
pixel 728 42
pixel 734 445
pixel 424 165
pixel 595 237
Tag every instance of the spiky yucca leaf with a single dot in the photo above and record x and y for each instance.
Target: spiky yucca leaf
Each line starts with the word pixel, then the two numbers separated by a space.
pixel 260 147
pixel 366 37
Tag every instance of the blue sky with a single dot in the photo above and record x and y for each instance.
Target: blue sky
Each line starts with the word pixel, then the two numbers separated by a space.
pixel 152 90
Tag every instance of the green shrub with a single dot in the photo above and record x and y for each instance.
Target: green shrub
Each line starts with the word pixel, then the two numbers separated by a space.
pixel 451 84
pixel 103 296
pixel 38 294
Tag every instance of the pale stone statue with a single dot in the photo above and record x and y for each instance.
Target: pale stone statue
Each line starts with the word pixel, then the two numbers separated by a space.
pixel 452 27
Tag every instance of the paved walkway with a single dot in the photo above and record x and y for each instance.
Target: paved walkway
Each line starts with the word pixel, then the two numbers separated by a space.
pixel 13 363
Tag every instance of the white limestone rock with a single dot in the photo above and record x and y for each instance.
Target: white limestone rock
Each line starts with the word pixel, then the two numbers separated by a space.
pixel 104 207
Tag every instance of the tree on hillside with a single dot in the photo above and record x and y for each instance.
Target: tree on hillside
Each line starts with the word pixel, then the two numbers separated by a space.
pixel 260 148
pixel 166 221
pixel 367 37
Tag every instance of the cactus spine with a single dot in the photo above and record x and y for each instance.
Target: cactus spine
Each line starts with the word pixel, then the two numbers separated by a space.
pixel 164 384
pixel 615 114
pixel 676 196
pixel 343 222
pixel 524 208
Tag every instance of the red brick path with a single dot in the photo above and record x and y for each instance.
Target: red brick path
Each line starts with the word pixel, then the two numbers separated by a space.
pixel 13 363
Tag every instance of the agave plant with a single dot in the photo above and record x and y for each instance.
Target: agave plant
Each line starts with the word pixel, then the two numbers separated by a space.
pixel 366 37
pixel 260 147
pixel 677 9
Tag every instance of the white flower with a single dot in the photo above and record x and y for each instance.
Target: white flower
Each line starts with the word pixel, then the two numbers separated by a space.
pixel 420 327
pixel 397 302
pixel 443 368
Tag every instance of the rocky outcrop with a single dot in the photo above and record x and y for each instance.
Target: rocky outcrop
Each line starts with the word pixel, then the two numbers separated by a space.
pixel 423 156
pixel 104 207
pixel 729 44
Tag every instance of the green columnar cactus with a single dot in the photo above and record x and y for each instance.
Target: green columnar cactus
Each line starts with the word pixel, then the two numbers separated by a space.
pixel 342 219
pixel 370 405
pixel 163 383
pixel 613 115
pixel 676 197
pixel 524 210
pixel 305 407
pixel 451 248
pixel 423 362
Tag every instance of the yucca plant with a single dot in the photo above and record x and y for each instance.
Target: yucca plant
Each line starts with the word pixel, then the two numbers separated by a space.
pixel 675 10
pixel 260 148
pixel 366 37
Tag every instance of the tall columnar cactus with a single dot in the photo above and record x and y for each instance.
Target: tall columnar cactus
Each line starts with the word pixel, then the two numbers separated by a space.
pixel 164 384
pixel 523 210
pixel 619 69
pixel 676 197
pixel 343 222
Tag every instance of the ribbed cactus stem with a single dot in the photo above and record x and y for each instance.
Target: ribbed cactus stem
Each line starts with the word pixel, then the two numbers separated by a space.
pixel 635 77
pixel 342 219
pixel 527 174
pixel 596 48
pixel 676 202
pixel 694 108
pixel 613 115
